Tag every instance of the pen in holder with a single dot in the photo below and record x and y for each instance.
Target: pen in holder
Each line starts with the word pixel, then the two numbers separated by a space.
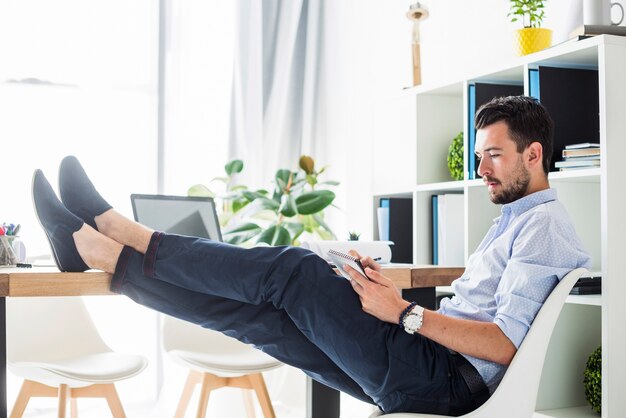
pixel 7 255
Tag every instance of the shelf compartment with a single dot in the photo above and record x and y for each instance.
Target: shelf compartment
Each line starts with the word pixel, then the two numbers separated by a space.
pixel 439 119
pixel 586 174
pixel 442 187
pixel 592 300
pixel 575 412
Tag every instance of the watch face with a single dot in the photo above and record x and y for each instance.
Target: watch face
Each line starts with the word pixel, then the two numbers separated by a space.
pixel 412 321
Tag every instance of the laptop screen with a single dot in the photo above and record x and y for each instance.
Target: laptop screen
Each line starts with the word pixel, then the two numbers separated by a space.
pixel 183 215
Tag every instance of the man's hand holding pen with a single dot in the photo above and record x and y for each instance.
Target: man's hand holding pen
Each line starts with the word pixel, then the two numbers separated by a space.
pixel 379 295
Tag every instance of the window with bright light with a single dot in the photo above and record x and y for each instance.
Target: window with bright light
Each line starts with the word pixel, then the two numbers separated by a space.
pixel 198 84
pixel 81 77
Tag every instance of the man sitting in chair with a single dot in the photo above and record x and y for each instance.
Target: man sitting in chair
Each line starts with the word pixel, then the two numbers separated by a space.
pixel 358 336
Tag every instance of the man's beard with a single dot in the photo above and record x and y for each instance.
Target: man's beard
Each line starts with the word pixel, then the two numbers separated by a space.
pixel 516 190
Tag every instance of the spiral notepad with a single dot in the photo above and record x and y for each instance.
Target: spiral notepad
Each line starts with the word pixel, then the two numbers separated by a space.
pixel 340 259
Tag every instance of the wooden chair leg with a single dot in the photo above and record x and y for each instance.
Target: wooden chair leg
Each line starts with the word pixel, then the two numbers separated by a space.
pixel 205 390
pixel 258 384
pixel 192 380
pixel 63 392
pixel 114 401
pixel 23 397
pixel 73 407
pixel 249 403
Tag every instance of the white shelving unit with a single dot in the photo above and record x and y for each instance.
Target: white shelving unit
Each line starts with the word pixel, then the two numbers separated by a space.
pixel 412 133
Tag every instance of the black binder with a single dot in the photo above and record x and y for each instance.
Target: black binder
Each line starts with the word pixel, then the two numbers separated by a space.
pixel 479 94
pixel 571 96
pixel 400 228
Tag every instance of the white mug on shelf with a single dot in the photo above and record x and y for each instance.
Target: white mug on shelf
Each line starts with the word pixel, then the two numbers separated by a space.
pixel 598 12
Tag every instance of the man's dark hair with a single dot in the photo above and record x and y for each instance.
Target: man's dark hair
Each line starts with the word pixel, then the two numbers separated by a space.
pixel 527 119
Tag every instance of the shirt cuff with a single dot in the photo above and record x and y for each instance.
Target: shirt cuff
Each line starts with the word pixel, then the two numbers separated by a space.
pixel 514 330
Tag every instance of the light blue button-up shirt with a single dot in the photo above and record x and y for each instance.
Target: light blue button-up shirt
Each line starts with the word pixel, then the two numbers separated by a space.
pixel 528 249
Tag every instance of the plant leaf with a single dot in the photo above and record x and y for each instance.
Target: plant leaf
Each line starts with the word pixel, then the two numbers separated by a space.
pixel 320 220
pixel 325 235
pixel 282 179
pixel 222 179
pixel 258 205
pixel 200 190
pixel 308 223
pixel 242 233
pixel 288 205
pixel 233 167
pixel 251 196
pixel 239 204
pixel 275 235
pixel 313 202
pixel 266 215
pixel 295 229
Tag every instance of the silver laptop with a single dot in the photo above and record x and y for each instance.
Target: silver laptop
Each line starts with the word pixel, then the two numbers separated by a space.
pixel 183 215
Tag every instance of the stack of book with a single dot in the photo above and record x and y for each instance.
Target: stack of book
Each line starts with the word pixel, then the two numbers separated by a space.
pixel 592 30
pixel 588 285
pixel 577 156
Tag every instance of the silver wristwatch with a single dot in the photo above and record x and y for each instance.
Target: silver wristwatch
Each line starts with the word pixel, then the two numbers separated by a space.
pixel 413 320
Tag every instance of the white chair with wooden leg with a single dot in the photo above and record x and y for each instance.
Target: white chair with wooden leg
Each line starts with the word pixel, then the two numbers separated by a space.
pixel 516 395
pixel 54 345
pixel 216 360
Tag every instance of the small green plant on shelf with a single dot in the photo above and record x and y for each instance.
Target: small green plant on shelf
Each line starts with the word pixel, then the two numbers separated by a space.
pixel 593 380
pixel 455 157
pixel 530 11
pixel 353 236
pixel 279 217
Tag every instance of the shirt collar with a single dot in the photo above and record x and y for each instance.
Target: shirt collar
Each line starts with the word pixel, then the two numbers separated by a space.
pixel 530 201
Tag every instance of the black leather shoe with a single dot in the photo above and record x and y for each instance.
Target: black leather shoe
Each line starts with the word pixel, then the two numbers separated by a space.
pixel 78 193
pixel 58 223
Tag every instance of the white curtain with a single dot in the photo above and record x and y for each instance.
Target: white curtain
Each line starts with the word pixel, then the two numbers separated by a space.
pixel 277 106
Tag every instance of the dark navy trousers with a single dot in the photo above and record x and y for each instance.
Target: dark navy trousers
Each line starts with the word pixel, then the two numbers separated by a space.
pixel 289 303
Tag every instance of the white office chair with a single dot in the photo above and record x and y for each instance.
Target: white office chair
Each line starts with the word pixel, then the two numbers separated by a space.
pixel 53 344
pixel 516 395
pixel 216 361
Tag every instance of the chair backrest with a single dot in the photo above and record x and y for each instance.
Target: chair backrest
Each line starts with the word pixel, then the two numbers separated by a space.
pixel 516 395
pixel 182 335
pixel 50 328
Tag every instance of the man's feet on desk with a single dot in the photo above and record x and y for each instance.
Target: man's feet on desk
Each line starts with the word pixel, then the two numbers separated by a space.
pixel 78 193
pixel 58 223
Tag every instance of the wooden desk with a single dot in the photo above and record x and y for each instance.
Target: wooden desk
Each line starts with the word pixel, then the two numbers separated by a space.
pixel 322 401
pixel 40 281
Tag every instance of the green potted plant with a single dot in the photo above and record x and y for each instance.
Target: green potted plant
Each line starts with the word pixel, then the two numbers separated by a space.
pixel 295 206
pixel 455 157
pixel 532 37
pixel 593 380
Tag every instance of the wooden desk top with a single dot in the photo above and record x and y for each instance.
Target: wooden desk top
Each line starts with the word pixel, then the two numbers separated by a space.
pixel 47 281
pixel 409 276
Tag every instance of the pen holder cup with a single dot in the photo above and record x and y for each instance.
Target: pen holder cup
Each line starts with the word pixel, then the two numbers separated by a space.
pixel 7 255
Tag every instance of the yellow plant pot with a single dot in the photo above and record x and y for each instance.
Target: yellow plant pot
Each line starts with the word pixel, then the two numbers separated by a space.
pixel 529 40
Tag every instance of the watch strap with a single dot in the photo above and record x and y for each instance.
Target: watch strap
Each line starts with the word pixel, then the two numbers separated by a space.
pixel 404 313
